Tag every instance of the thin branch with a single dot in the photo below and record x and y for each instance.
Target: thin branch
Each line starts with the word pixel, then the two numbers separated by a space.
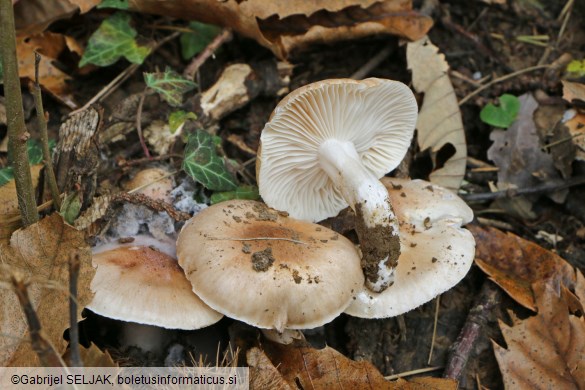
pixel 488 298
pixel 499 80
pixel 35 89
pixel 44 350
pixel 372 64
pixel 512 192
pixel 17 134
pixel 139 124
pixel 223 37
pixel 437 305
pixel 75 356
pixel 412 372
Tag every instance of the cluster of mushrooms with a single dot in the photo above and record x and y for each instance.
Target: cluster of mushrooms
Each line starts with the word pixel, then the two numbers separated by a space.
pixel 268 264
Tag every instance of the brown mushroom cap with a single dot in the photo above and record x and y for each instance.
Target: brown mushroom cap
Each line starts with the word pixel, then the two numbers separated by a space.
pixel 140 284
pixel 256 265
pixel 436 252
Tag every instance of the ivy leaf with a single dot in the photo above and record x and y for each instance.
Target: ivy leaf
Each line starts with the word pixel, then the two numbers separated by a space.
pixel 178 118
pixel 118 4
pixel 169 85
pixel 113 40
pixel 6 174
pixel 194 42
pixel 203 164
pixel 501 116
pixel 71 207
pixel 242 192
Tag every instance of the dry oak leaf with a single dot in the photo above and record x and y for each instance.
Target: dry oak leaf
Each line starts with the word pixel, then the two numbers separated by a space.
pixel 309 368
pixel 546 351
pixel 49 45
pixel 515 264
pixel 439 121
pixel 33 16
pixel 9 213
pixel 40 253
pixel 285 26
pixel 574 93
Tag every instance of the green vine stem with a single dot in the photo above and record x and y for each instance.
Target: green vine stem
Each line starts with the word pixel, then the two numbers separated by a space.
pixel 17 134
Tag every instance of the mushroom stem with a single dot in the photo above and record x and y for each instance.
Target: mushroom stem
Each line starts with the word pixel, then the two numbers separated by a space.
pixel 376 223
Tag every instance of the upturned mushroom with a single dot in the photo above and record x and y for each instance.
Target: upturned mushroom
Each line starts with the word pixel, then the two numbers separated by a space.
pixel 436 251
pixel 254 264
pixel 326 146
pixel 136 282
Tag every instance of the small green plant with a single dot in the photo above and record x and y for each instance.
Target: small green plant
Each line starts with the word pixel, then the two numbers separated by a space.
pixel 35 156
pixel 169 85
pixel 504 114
pixel 114 39
pixel 178 118
pixel 203 164
pixel 576 69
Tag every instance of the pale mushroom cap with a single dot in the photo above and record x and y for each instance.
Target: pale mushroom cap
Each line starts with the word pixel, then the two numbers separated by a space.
pixel 152 184
pixel 378 116
pixel 305 274
pixel 143 285
pixel 436 252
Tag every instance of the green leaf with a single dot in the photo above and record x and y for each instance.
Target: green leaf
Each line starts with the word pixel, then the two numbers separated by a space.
pixel 35 152
pixel 6 174
pixel 576 69
pixel 501 116
pixel 242 192
pixel 177 118
pixel 70 208
pixel 194 42
pixel 170 85
pixel 118 4
pixel 113 40
pixel 203 164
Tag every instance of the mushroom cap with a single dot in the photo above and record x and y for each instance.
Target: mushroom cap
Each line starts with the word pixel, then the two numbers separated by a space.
pixel 378 116
pixel 436 252
pixel 154 186
pixel 140 284
pixel 258 266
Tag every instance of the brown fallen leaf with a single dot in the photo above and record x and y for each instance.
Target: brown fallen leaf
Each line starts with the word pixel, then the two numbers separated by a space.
pixel 574 93
pixel 49 45
pixel 285 26
pixel 263 374
pixel 545 351
pixel 9 214
pixel 305 367
pixel 515 264
pixel 576 126
pixel 41 253
pixel 33 16
pixel 439 120
pixel 518 152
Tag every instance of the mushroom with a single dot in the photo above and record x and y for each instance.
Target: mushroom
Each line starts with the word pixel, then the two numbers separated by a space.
pixel 325 147
pixel 436 251
pixel 254 264
pixel 152 182
pixel 135 282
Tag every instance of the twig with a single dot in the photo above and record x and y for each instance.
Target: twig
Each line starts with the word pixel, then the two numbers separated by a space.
pixel 147 201
pixel 488 298
pixel 44 350
pixel 376 60
pixel 512 192
pixel 499 80
pixel 35 89
pixel 139 123
pixel 257 239
pixel 130 163
pixel 412 372
pixel 119 79
pixel 191 70
pixel 437 304
pixel 75 356
pixel 17 134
